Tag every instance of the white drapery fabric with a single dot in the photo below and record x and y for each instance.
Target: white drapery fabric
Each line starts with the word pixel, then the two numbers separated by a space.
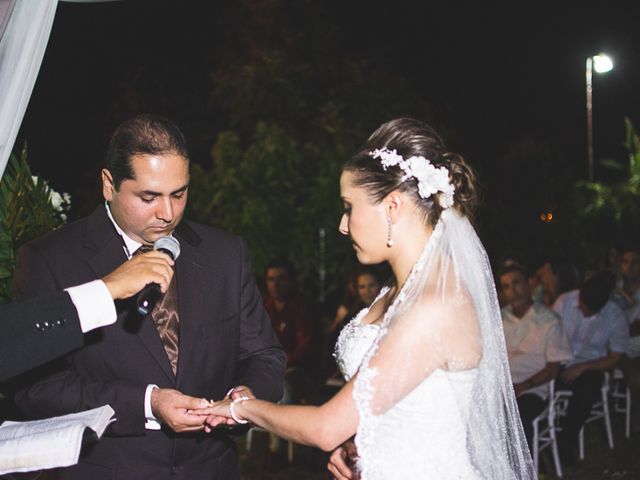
pixel 21 50
pixel 6 7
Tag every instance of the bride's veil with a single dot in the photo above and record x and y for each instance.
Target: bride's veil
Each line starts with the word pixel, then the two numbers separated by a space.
pixel 446 315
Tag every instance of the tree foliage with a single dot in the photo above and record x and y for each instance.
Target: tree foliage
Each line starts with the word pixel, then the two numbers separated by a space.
pixel 298 106
pixel 282 197
pixel 29 208
pixel 608 214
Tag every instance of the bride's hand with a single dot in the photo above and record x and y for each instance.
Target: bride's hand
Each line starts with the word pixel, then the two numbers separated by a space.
pixel 217 413
pixel 240 391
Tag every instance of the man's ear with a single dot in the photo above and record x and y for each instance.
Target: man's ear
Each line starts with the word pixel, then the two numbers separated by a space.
pixel 108 188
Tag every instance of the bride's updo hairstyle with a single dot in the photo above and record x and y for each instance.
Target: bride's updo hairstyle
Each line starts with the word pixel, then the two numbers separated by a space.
pixel 409 138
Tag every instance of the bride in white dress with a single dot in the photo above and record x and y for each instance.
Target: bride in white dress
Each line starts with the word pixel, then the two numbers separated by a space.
pixel 428 392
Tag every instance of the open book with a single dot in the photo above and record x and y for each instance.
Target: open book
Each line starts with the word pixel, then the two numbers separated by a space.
pixel 48 443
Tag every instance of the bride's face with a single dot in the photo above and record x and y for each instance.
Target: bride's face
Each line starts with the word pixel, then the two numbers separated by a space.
pixel 364 221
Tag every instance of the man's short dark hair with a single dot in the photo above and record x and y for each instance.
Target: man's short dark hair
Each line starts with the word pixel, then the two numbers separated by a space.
pixel 630 249
pixel 143 134
pixel 511 268
pixel 596 290
pixel 283 263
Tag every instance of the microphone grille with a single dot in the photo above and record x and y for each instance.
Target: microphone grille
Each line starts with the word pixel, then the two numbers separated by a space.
pixel 170 244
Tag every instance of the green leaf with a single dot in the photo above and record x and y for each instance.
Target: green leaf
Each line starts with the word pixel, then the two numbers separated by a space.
pixel 26 213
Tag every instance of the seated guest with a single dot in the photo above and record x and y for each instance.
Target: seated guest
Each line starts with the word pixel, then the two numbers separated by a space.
pixel 366 285
pixel 628 298
pixel 598 334
pixel 347 303
pixel 536 345
pixel 293 323
pixel 553 278
pixel 613 262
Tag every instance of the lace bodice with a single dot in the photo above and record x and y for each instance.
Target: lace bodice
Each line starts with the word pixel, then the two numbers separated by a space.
pixel 354 341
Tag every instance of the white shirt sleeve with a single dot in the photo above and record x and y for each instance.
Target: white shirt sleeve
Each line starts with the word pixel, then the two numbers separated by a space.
pixel 94 305
pixel 557 344
pixel 152 422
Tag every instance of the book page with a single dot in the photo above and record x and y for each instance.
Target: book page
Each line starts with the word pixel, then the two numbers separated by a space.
pixel 48 443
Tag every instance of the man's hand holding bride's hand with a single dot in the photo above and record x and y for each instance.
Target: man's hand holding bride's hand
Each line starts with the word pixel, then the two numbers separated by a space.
pixel 219 413
pixel 175 409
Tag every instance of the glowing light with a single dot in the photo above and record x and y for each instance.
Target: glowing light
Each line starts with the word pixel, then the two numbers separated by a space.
pixel 602 63
pixel 546 217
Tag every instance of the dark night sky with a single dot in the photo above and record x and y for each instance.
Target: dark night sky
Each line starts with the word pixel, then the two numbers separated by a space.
pixel 500 73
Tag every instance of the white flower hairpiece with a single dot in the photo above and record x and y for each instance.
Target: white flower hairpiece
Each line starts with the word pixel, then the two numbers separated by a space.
pixel 430 179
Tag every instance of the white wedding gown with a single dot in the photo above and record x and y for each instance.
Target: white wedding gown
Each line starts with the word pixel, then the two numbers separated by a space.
pixel 423 436
pixel 417 420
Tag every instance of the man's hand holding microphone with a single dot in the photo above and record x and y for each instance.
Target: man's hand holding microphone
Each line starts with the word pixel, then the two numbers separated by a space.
pixel 144 269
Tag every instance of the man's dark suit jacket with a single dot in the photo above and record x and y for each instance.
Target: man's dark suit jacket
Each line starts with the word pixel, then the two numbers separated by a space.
pixel 37 331
pixel 226 339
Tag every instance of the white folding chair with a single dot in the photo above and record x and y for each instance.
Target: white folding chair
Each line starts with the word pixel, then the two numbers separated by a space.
pixel 621 397
pixel 544 432
pixel 274 439
pixel 599 411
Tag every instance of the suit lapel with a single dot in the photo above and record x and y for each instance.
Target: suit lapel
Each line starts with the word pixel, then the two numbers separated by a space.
pixel 148 334
pixel 105 243
pixel 103 238
pixel 192 276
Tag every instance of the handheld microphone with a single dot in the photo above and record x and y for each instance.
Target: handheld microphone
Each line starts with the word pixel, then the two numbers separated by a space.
pixel 150 294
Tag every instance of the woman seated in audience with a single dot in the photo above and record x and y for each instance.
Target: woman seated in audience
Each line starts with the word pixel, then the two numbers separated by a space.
pixel 366 284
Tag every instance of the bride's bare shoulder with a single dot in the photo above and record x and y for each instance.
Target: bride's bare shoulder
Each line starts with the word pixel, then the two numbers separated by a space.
pixel 452 327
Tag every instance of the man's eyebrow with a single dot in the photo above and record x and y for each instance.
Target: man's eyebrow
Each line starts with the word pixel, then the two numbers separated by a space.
pixel 181 189
pixel 157 194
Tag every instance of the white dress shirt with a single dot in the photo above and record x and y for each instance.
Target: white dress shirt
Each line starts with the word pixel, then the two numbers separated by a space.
pixel 592 337
pixel 533 341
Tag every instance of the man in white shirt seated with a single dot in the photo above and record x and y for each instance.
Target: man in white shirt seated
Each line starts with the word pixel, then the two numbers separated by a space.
pixel 536 345
pixel 628 298
pixel 598 332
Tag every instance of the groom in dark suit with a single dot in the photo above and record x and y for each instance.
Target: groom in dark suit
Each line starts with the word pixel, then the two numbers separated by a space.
pixel 207 335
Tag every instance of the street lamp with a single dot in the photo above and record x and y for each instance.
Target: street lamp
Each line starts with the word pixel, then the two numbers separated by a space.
pixel 601 64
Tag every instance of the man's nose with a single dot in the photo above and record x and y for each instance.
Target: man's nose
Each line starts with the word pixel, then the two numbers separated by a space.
pixel 165 210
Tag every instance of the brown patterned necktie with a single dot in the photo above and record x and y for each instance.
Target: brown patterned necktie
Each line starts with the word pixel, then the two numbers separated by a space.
pixel 165 317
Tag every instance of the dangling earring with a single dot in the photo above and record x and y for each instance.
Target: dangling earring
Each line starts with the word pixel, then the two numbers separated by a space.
pixel 389 239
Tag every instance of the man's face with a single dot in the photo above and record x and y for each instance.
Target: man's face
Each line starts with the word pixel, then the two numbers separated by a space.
pixel 150 205
pixel 516 290
pixel 630 266
pixel 278 283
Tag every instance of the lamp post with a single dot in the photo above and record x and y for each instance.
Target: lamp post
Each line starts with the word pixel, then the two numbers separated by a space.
pixel 601 64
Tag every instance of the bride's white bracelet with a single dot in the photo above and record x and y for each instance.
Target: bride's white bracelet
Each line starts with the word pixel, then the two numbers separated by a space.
pixel 232 409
